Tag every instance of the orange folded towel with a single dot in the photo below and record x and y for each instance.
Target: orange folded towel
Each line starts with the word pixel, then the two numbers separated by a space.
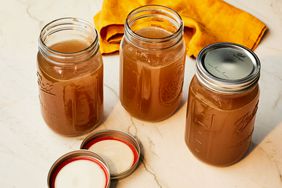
pixel 206 22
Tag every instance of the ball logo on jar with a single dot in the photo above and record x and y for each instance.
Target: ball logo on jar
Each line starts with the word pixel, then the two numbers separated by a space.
pixel 45 87
pixel 243 122
pixel 171 87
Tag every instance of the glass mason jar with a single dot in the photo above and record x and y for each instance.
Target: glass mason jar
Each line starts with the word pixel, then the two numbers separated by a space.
pixel 70 76
pixel 222 104
pixel 152 57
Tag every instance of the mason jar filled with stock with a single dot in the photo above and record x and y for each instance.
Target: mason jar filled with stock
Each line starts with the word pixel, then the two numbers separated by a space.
pixel 70 76
pixel 152 57
pixel 222 103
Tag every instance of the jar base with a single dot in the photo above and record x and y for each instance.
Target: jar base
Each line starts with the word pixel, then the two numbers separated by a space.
pixel 153 120
pixel 75 134
pixel 220 165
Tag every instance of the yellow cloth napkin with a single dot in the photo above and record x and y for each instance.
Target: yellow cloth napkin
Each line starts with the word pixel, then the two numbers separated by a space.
pixel 206 22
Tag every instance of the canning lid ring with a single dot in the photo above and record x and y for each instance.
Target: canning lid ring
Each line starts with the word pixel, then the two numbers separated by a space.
pixel 73 156
pixel 113 135
pixel 222 85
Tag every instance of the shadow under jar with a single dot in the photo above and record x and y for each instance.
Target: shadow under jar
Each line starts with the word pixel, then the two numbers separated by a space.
pixel 70 76
pixel 222 104
pixel 152 57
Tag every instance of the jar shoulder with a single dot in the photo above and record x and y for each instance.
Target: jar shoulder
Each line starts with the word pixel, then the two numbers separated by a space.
pixel 51 69
pixel 222 101
pixel 152 56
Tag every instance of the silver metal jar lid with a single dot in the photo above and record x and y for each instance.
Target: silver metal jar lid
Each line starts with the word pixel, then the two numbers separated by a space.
pixel 120 150
pixel 79 169
pixel 227 67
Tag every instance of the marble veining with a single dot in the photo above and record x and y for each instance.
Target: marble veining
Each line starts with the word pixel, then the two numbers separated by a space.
pixel 132 129
pixel 272 158
pixel 159 185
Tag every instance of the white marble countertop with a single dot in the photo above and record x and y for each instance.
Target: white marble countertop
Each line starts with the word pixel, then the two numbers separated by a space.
pixel 28 147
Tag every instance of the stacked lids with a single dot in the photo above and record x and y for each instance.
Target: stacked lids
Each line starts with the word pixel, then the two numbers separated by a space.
pixel 103 156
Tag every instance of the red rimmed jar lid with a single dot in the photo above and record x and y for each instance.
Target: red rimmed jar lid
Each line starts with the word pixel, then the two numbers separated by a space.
pixel 119 150
pixel 79 168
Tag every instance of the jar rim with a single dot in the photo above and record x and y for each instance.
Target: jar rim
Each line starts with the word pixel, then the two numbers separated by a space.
pixel 161 9
pixel 92 48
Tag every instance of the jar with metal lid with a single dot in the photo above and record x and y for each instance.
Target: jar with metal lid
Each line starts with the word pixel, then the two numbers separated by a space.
pixel 222 103
pixel 70 76
pixel 152 57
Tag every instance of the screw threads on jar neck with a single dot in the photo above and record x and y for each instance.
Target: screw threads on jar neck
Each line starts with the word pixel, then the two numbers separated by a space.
pixel 65 29
pixel 157 17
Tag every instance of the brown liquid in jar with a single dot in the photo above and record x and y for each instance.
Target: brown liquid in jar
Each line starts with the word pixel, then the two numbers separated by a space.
pixel 219 126
pixel 151 83
pixel 71 97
